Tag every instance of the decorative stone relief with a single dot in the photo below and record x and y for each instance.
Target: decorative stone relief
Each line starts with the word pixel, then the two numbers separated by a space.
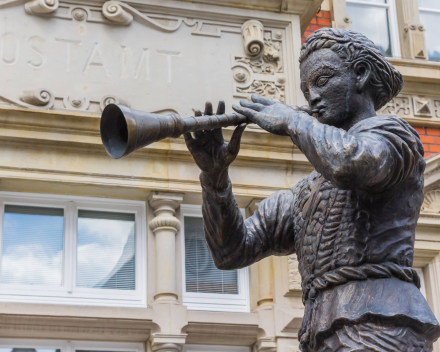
pixel 114 12
pixel 294 275
pixel 252 33
pixel 263 73
pixel 41 98
pixel 36 7
pixel 422 107
pixel 431 203
pixel 417 106
pixel 400 105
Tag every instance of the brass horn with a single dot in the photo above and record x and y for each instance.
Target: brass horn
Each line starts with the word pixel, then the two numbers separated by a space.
pixel 124 130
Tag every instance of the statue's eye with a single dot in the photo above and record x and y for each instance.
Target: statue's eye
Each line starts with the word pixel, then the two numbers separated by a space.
pixel 322 81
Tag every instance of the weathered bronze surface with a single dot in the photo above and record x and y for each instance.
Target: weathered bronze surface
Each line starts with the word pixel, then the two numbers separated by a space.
pixel 351 222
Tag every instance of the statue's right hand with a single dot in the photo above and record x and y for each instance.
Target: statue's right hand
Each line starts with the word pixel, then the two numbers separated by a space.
pixel 209 149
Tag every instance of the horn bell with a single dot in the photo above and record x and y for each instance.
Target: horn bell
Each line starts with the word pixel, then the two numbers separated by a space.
pixel 124 130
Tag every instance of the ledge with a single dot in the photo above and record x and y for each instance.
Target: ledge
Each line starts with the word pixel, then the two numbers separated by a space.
pixel 418 70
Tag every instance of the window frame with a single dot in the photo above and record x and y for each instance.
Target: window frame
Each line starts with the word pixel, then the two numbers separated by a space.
pixel 212 301
pixel 429 11
pixel 392 18
pixel 67 292
pixel 72 346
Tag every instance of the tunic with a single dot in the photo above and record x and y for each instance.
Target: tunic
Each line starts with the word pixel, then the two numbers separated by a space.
pixel 351 223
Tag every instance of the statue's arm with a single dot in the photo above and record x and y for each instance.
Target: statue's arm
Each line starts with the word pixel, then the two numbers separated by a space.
pixel 374 155
pixel 235 242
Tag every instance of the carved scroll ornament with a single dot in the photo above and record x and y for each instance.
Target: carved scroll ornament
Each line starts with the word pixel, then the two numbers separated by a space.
pixel 252 33
pixel 36 7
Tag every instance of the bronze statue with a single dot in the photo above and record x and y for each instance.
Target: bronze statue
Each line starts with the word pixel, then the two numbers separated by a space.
pixel 351 222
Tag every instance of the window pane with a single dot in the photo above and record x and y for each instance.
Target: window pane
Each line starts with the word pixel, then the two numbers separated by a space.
pixel 106 250
pixel 373 23
pixel 432 4
pixel 373 1
pixel 200 270
pixel 431 22
pixel 32 251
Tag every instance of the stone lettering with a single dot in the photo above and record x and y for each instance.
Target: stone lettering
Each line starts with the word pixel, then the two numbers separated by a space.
pixel 41 59
pixel 68 42
pixel 96 60
pixel 143 67
pixel 168 54
pixel 9 49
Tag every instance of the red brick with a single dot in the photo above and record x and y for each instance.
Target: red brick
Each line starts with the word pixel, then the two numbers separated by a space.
pixel 319 14
pixel 428 154
pixel 434 148
pixel 420 130
pixel 315 27
pixel 303 40
pixel 314 20
pixel 433 131
pixel 324 21
pixel 427 139
pixel 307 33
pixel 437 140
pixel 326 14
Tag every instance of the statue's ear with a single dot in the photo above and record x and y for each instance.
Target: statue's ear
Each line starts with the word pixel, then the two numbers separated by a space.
pixel 363 74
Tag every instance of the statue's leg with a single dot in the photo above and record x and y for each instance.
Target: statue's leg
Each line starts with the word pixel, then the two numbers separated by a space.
pixel 374 337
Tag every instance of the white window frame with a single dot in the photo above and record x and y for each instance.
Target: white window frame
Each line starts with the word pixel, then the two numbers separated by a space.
pixel 71 346
pixel 215 348
pixel 212 301
pixel 392 19
pixel 68 293
pixel 429 10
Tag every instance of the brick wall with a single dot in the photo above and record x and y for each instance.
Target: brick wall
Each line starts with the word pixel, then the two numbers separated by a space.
pixel 430 138
pixel 322 19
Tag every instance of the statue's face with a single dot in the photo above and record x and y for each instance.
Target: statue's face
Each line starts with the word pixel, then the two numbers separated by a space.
pixel 329 86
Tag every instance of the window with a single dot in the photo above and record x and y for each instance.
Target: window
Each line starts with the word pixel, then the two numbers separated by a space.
pixel 430 17
pixel 204 286
pixel 26 345
pixel 377 20
pixel 72 250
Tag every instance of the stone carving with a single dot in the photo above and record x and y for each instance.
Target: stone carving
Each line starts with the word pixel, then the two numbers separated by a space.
pixel 38 7
pixel 252 33
pixel 436 103
pixel 111 99
pixel 294 275
pixel 41 98
pixel 262 74
pixel 422 107
pixel 399 105
pixel 431 203
pixel 269 90
pixel 114 12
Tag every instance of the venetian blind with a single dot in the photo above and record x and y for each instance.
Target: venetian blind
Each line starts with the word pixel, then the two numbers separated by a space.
pixel 200 270
pixel 106 250
pixel 32 245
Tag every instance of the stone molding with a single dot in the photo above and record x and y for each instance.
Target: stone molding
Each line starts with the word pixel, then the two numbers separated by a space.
pixel 167 342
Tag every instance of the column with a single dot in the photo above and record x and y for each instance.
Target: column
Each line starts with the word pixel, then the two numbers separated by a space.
pixel 165 226
pixel 411 31
pixel 339 14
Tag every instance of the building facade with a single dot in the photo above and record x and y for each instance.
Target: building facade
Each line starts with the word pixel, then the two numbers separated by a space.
pixel 109 255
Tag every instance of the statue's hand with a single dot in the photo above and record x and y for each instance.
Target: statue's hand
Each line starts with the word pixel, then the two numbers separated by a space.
pixel 269 115
pixel 208 148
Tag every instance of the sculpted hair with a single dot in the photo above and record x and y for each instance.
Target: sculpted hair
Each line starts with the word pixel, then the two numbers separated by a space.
pixel 386 82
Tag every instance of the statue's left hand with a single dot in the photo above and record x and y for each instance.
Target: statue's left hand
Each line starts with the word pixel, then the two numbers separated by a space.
pixel 269 115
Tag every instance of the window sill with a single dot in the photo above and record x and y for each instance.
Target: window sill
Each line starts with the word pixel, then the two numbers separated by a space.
pixel 418 70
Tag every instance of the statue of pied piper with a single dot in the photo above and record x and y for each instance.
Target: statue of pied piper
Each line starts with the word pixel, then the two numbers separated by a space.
pixel 352 221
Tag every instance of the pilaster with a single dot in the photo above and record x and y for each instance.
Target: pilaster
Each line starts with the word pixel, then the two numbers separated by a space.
pixel 411 31
pixel 165 226
pixel 339 15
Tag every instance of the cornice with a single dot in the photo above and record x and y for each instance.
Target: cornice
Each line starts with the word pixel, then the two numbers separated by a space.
pixel 418 70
